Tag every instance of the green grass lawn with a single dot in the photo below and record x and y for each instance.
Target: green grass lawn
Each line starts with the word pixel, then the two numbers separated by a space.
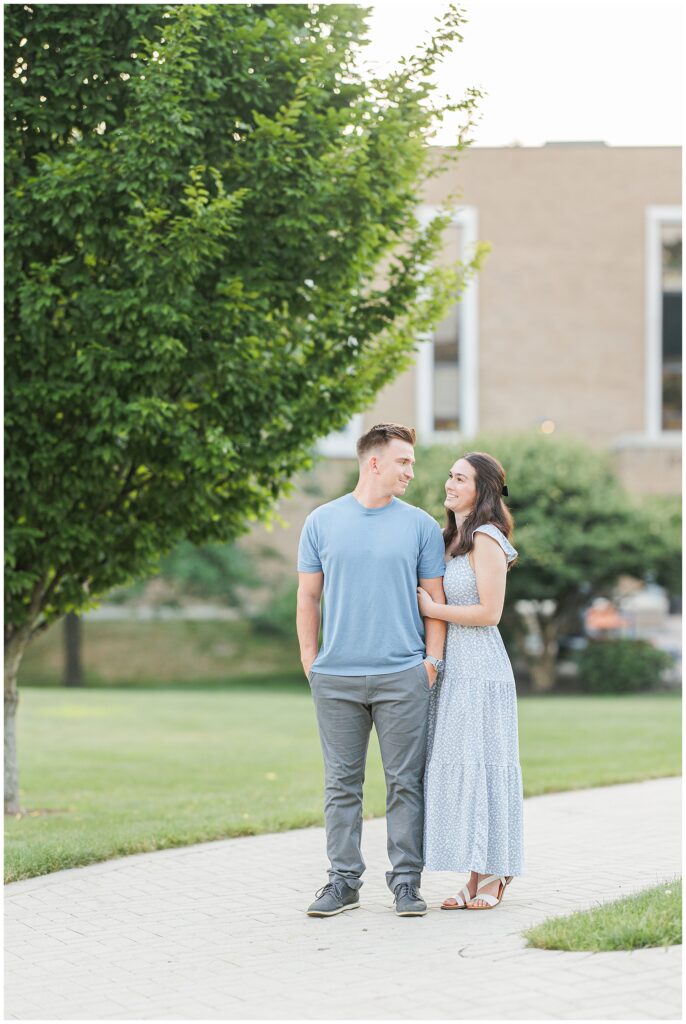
pixel 107 772
pixel 650 918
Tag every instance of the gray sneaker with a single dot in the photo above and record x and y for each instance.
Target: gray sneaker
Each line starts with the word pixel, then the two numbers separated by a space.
pixel 408 901
pixel 334 898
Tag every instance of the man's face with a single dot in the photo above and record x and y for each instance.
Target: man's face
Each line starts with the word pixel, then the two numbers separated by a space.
pixel 393 464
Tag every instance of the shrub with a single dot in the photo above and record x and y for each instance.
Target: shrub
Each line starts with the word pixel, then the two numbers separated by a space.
pixel 277 618
pixel 620 666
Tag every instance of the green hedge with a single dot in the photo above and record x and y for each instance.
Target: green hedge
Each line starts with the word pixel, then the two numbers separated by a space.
pixel 621 666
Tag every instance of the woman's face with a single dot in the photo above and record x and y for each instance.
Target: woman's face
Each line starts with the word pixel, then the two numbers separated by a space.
pixel 460 488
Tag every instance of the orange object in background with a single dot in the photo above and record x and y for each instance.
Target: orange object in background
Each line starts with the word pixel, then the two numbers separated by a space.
pixel 603 616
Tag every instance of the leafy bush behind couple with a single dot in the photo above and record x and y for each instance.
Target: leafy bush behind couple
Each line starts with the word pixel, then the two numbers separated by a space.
pixel 578 530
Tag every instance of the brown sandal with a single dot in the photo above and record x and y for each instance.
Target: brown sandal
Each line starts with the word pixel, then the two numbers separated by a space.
pixel 491 901
pixel 452 903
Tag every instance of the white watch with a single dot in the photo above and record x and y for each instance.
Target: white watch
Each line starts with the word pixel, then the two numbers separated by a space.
pixel 437 664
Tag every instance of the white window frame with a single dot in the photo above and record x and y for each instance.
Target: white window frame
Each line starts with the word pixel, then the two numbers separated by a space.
pixel 466 218
pixel 341 444
pixel 656 216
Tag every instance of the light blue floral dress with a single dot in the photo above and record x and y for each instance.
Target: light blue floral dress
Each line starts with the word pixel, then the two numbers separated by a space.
pixel 473 780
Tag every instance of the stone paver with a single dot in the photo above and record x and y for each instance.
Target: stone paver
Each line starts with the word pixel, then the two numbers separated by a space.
pixel 217 931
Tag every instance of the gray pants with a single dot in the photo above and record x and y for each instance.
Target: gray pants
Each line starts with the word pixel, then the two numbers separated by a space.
pixel 397 704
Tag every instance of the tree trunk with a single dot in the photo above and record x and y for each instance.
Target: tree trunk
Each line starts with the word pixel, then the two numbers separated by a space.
pixel 14 649
pixel 543 667
pixel 72 650
pixel 542 672
pixel 540 641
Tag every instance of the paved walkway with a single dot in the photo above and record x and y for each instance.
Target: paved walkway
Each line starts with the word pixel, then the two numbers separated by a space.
pixel 217 931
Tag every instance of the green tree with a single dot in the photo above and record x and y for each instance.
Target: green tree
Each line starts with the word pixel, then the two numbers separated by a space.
pixel 576 531
pixel 212 259
pixel 211 572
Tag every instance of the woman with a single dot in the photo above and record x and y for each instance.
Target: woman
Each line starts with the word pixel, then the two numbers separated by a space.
pixel 473 781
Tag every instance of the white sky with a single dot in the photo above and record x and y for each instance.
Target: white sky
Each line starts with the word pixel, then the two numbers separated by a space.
pixel 554 70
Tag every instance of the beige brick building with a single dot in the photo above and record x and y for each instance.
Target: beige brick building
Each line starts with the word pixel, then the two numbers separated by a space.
pixel 573 326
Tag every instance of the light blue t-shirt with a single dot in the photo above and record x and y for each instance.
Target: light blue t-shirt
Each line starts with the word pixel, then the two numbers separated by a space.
pixel 372 559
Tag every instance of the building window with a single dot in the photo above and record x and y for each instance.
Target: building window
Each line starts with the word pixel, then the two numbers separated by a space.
pixel 664 366
pixel 671 326
pixel 447 360
pixel 446 353
pixel 342 443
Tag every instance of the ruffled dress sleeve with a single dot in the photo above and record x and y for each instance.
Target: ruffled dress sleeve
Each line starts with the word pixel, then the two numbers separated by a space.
pixel 495 533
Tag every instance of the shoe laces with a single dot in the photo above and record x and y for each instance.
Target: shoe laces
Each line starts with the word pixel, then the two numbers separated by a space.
pixel 405 889
pixel 329 887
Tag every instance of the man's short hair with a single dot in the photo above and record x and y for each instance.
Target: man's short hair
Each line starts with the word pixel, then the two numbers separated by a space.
pixel 382 434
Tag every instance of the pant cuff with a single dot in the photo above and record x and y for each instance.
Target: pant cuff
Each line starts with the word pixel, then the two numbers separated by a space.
pixel 394 878
pixel 352 881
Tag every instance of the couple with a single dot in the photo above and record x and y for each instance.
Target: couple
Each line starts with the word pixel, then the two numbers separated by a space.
pixel 447 731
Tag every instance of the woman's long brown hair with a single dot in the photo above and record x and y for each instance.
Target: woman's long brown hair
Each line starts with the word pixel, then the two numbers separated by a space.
pixel 489 506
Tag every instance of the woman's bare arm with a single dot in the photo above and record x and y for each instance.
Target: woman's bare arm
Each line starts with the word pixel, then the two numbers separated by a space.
pixel 490 569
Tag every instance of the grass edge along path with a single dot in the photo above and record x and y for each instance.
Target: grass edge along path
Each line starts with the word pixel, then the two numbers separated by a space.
pixel 108 773
pixel 645 919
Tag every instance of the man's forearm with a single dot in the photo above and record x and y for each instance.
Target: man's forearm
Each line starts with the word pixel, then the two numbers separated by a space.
pixel 435 631
pixel 307 620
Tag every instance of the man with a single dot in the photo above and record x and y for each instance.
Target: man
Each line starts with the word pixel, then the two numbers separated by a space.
pixel 366 551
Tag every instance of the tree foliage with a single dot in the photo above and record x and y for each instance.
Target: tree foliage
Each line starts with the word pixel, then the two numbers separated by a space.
pixel 199 199
pixel 576 531
pixel 210 572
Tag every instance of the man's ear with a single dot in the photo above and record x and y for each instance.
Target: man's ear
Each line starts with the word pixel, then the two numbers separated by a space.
pixel 373 464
